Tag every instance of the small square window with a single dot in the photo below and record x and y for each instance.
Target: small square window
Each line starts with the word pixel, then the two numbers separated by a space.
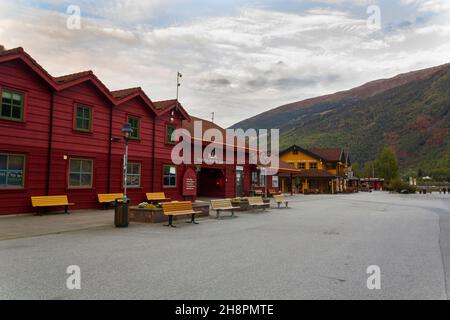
pixel 12 104
pixel 12 170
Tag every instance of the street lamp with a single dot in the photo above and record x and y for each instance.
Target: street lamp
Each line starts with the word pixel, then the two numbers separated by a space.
pixel 127 131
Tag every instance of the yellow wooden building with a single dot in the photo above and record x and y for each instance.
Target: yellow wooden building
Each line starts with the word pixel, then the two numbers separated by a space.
pixel 320 170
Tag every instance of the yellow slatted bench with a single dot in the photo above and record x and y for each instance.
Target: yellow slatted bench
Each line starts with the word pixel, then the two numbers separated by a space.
pixel 257 202
pixel 280 199
pixel 181 208
pixel 223 205
pixel 107 198
pixel 51 201
pixel 157 197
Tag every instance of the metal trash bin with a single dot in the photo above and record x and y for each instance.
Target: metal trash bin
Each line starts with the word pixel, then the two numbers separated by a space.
pixel 121 213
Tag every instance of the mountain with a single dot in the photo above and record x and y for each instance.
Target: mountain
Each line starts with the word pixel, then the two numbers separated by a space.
pixel 409 112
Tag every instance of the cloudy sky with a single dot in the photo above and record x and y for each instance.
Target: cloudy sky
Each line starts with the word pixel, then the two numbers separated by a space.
pixel 238 57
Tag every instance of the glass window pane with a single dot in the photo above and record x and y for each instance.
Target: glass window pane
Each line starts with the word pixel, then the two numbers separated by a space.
pixel 173 170
pixel 79 112
pixel 75 165
pixel 6 111
pixel 2 177
pixel 74 180
pixel 86 124
pixel 6 95
pixel 17 112
pixel 87 166
pixel 15 163
pixel 17 98
pixel 14 178
pixel 86 180
pixel 3 161
pixel 79 123
pixel 166 181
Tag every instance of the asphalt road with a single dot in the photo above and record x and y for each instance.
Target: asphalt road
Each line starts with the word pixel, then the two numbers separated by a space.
pixel 318 249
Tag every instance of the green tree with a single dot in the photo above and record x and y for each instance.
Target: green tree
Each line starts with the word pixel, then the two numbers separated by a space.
pixel 387 165
pixel 356 170
pixel 369 169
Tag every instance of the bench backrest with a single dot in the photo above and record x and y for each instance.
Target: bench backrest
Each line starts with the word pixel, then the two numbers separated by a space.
pixel 279 198
pixel 156 196
pixel 181 206
pixel 109 197
pixel 220 204
pixel 49 201
pixel 255 201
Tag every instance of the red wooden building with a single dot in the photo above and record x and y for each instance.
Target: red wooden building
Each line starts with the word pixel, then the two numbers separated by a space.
pixel 62 135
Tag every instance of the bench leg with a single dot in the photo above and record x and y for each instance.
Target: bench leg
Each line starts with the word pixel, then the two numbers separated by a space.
pixel 170 223
pixel 66 209
pixel 193 219
pixel 279 205
pixel 217 214
pixel 287 204
pixel 232 214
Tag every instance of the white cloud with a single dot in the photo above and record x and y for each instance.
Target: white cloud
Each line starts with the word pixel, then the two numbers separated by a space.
pixel 237 66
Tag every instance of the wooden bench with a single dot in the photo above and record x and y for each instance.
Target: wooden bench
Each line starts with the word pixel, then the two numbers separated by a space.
pixel 157 197
pixel 106 199
pixel 223 205
pixel 181 208
pixel 257 202
pixel 280 199
pixel 51 201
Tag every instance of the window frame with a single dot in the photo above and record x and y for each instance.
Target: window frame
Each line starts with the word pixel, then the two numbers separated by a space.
pixel 168 139
pixel 130 117
pixel 22 112
pixel 140 176
pixel 277 179
pixel 24 170
pixel 75 117
pixel 313 165
pixel 69 172
pixel 164 176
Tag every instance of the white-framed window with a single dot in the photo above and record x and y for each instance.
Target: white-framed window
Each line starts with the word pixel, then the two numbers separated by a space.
pixel 134 174
pixel 12 170
pixel 275 182
pixel 170 176
pixel 80 173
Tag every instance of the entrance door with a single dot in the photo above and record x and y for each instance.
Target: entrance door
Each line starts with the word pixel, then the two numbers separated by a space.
pixel 239 182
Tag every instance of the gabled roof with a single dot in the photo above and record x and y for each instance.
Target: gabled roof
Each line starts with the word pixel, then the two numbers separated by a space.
pixel 166 106
pixel 73 76
pixel 20 54
pixel 63 82
pixel 300 149
pixel 330 154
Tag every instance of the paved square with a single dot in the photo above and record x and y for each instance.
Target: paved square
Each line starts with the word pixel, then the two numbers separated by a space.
pixel 318 249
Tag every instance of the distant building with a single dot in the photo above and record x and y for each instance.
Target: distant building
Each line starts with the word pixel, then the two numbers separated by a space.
pixel 319 170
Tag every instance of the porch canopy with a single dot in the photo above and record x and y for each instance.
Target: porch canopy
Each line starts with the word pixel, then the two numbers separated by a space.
pixel 284 170
pixel 315 174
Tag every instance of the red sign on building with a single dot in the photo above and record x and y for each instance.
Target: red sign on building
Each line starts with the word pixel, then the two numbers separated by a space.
pixel 190 183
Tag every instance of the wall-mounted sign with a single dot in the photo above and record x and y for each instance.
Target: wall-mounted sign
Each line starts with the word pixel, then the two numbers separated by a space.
pixel 190 183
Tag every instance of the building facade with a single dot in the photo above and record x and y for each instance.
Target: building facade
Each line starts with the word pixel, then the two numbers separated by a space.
pixel 319 170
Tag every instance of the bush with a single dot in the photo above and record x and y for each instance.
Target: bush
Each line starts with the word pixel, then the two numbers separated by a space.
pixel 400 186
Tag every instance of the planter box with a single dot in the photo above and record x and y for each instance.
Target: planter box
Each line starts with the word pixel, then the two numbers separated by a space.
pixel 142 215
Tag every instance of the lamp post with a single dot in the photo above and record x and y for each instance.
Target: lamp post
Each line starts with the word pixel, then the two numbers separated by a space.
pixel 127 131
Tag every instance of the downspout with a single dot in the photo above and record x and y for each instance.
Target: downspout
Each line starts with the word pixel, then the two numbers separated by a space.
pixel 110 149
pixel 153 154
pixel 50 144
